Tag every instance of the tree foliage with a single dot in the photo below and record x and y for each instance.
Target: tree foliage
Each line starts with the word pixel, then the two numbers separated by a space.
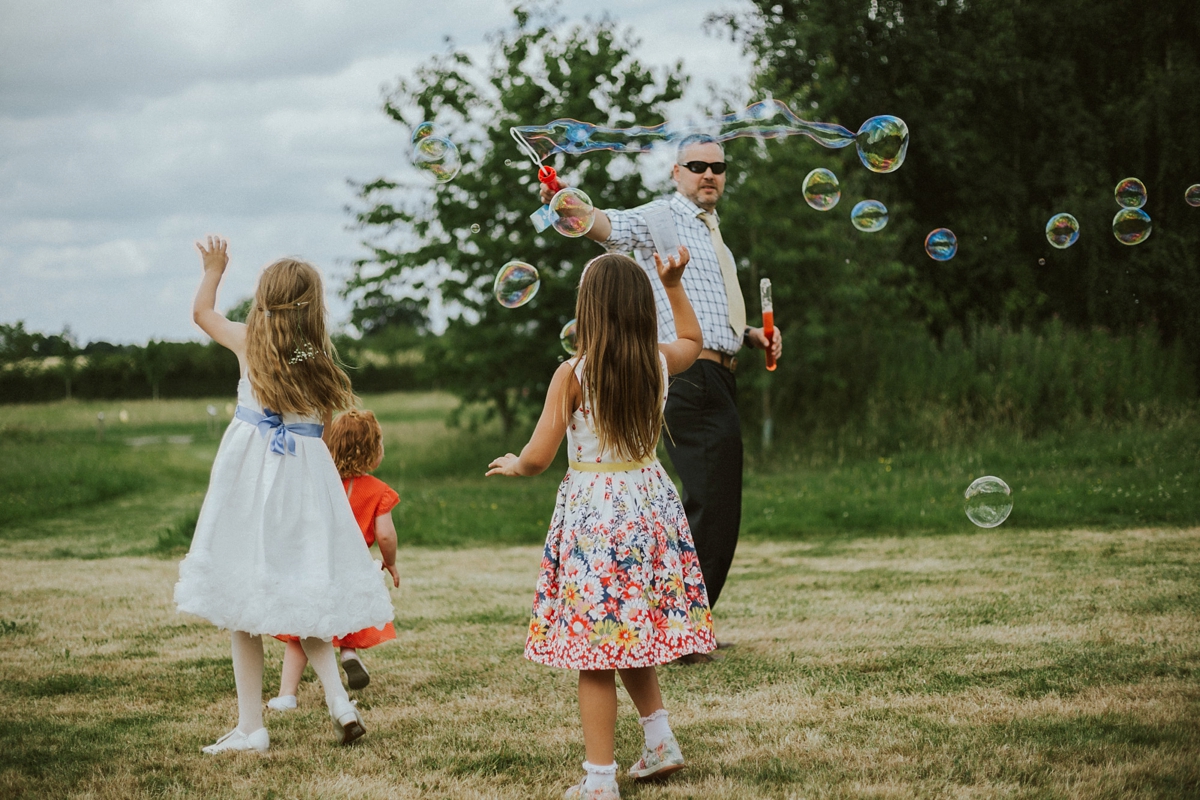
pixel 1017 110
pixel 423 247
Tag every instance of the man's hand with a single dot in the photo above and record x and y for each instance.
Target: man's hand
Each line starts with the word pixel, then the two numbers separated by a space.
pixel 758 340
pixel 671 273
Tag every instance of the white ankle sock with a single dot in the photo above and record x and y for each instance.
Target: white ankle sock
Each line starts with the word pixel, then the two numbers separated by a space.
pixel 656 728
pixel 599 776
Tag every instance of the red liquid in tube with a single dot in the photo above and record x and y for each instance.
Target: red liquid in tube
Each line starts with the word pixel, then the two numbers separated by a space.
pixel 769 332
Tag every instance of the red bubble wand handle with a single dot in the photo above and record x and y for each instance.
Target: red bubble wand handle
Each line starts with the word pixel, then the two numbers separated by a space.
pixel 768 314
pixel 549 178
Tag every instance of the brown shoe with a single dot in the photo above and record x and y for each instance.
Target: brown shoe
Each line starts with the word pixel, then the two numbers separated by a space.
pixel 694 658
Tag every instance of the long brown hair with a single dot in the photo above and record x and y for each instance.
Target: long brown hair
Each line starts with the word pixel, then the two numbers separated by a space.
pixel 622 376
pixel 355 442
pixel 292 361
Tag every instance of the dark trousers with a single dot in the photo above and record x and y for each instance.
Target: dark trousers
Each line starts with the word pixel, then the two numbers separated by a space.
pixel 704 440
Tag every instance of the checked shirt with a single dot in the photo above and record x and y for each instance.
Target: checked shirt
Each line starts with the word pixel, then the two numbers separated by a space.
pixel 703 282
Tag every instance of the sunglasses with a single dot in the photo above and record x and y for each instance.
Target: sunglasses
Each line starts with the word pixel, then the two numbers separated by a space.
pixel 700 167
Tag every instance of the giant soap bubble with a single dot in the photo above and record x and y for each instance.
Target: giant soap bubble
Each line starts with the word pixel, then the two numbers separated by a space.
pixel 516 284
pixel 821 190
pixel 1062 231
pixel 1192 195
pixel 882 141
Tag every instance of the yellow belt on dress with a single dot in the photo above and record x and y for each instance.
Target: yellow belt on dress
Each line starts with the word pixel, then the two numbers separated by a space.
pixel 610 466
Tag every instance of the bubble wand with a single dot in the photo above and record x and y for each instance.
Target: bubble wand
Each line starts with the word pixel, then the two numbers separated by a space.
pixel 768 314
pixel 544 217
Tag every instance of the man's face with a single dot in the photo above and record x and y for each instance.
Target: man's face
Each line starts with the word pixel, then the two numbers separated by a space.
pixel 705 189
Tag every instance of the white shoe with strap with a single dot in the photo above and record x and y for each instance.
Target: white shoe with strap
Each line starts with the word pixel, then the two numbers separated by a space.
pixel 235 740
pixel 346 720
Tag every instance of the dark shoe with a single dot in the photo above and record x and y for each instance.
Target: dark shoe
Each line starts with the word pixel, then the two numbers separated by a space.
pixel 356 674
pixel 725 645
pixel 694 658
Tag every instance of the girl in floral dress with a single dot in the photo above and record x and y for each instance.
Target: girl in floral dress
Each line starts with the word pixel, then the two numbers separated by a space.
pixel 620 589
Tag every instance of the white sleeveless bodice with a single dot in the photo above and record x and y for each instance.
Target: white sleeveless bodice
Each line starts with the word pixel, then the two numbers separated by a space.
pixel 583 445
pixel 247 398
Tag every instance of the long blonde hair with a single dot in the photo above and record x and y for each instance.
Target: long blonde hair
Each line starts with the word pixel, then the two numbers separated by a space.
pixel 292 361
pixel 618 340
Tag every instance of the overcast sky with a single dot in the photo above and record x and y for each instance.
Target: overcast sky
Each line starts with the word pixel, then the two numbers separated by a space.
pixel 129 128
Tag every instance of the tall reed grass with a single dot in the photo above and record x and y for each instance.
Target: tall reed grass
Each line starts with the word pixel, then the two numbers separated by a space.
pixel 905 385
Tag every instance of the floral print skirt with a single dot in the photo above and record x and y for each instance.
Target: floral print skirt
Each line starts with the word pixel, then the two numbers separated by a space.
pixel 620 584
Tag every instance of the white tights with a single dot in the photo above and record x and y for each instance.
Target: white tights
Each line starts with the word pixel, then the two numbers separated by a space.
pixel 248 674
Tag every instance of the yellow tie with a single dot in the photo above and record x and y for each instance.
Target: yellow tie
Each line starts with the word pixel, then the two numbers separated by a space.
pixel 733 291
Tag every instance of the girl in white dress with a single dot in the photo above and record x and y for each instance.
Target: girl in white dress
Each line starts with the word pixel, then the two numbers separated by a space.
pixel 620 589
pixel 276 547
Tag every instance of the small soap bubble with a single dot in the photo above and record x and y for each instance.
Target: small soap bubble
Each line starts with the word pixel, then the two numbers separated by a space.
pixel 882 143
pixel 569 337
pixel 508 162
pixel 1132 226
pixel 475 228
pixel 821 190
pixel 941 244
pixel 574 210
pixel 1062 231
pixel 869 216
pixel 1192 195
pixel 1130 193
pixel 1041 262
pixel 516 284
pixel 989 501
pixel 422 131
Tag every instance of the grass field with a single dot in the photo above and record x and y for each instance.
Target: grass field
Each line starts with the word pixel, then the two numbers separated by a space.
pixel 882 646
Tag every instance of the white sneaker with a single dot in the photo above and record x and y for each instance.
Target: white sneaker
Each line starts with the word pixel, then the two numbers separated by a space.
pixel 285 702
pixel 236 740
pixel 346 721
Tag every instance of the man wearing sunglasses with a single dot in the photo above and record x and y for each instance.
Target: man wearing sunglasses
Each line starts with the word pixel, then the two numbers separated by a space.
pixel 705 435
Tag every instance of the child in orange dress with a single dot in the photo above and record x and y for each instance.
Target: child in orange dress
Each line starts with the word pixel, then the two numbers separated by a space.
pixel 356 444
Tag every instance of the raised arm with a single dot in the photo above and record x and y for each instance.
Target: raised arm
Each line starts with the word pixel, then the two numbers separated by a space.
pixel 204 308
pixel 548 434
pixel 682 352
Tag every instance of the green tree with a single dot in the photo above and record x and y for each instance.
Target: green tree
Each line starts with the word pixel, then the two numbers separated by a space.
pixel 155 361
pixel 538 71
pixel 1017 110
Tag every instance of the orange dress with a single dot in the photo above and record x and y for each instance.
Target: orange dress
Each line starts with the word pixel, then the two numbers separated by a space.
pixel 369 498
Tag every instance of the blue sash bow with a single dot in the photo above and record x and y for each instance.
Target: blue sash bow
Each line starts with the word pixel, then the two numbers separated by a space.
pixel 271 425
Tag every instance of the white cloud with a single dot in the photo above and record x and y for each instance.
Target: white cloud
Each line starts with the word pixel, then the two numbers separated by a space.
pixel 130 128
